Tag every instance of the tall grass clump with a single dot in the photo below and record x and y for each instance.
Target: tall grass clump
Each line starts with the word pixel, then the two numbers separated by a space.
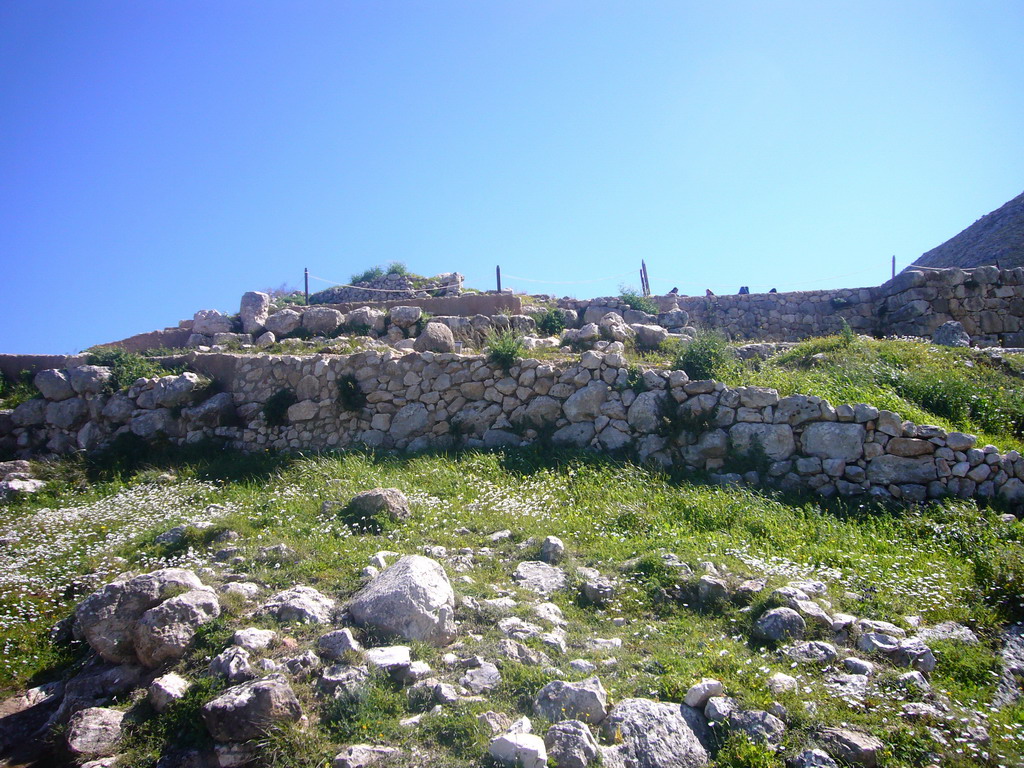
pixel 504 348
pixel 631 298
pixel 14 392
pixel 705 357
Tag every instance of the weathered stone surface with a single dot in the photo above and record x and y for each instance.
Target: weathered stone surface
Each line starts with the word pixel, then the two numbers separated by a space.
pixel 652 734
pixel 780 624
pixel 335 645
pixel 776 439
pixel 249 710
pixel 363 755
pixel 833 440
pixel 67 414
pixel 301 604
pixel 559 700
pixel 283 322
pixel 165 690
pixel 165 631
pixel 320 321
pixel 53 384
pixel 108 617
pixel 644 415
pixel 585 404
pixel 570 744
pixel 539 577
pixel 94 731
pixel 411 419
pixel 413 599
pixel 254 310
pixel 552 550
pixel 518 750
pixel 435 337
pixel 210 321
pixel 850 746
pixel 233 664
pixel 699 694
pixel 388 502
pixel 951 334
pixel 405 317
pixel 887 470
pixel 760 727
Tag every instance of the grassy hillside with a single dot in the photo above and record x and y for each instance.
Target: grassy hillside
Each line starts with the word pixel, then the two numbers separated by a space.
pixel 953 561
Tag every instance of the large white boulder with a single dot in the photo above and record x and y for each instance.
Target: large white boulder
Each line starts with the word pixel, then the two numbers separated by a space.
pixel 164 632
pixel 412 599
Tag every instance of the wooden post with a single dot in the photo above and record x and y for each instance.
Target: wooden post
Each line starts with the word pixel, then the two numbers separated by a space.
pixel 644 279
pixel 894 265
pixel 306 275
pixel 497 271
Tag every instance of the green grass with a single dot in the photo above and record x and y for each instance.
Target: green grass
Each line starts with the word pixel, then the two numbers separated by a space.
pixel 632 298
pixel 936 562
pixel 14 392
pixel 126 367
pixel 504 348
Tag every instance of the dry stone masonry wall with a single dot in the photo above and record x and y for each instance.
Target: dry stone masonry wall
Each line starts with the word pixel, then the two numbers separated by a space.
pixel 989 302
pixel 410 401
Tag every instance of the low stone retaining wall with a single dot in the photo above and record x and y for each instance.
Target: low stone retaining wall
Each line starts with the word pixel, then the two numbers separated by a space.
pixel 989 302
pixel 415 401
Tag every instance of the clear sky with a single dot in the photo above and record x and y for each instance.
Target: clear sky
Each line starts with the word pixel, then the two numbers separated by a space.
pixel 157 158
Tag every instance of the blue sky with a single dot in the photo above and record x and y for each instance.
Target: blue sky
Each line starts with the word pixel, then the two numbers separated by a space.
pixel 157 158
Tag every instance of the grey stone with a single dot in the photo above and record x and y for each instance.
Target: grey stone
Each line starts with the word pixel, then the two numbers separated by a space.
pixel 67 414
pixel 249 710
pixel 435 337
pixel 644 415
pixel 413 599
pixel 94 732
pixel 363 755
pixel 210 321
pixel 518 750
pixel 539 577
pixel 951 334
pixel 165 690
pixel 253 311
pixel 300 604
pixel 552 550
pixel 759 726
pixel 335 645
pixel 780 624
pixel 776 439
pixel 585 404
pixel 834 440
pixel 888 470
pixel 283 322
pixel 320 321
pixel 108 617
pixel 482 678
pixel 53 384
pixel 560 700
pixel 409 420
pixel 812 758
pixel 850 746
pixel 570 744
pixel 164 632
pixel 389 502
pixel 405 317
pixel 233 664
pixel 653 734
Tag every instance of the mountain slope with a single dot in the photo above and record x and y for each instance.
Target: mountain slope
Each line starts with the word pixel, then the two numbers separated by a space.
pixel 997 237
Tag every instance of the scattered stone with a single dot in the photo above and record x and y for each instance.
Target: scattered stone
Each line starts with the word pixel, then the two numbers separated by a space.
pixel 720 708
pixel 167 689
pixel 654 734
pixel 780 624
pixel 859 666
pixel 570 744
pixel 850 746
pixel 518 750
pixel 699 694
pixel 560 700
pixel 552 550
pixel 812 652
pixel 412 599
pixel 94 731
pixel 951 334
pixel 363 755
pixel 523 654
pixel 335 645
pixel 539 577
pixel 389 657
pixel 388 502
pixel 163 633
pixel 249 710
pixel 435 337
pixel 812 758
pixel 482 678
pixel 780 682
pixel 253 639
pixel 232 664
pixel 761 727
pixel 549 612
pixel 300 604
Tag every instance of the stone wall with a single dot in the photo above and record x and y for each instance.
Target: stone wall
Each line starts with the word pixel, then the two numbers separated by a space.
pixel 415 401
pixel 989 302
pixel 392 287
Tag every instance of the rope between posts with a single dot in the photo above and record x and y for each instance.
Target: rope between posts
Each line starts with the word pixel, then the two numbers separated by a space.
pixel 569 282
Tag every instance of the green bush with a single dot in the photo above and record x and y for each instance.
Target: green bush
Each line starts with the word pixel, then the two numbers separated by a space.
pixel 125 367
pixel 275 410
pixel 552 322
pixel 504 348
pixel 14 393
pixel 704 357
pixel 634 300
pixel 373 273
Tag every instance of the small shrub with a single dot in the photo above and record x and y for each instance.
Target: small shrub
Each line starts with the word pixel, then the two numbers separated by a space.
pixel 635 379
pixel 350 396
pixel 705 356
pixel 634 300
pixel 739 751
pixel 367 276
pixel 846 334
pixel 504 348
pixel 396 268
pixel 20 390
pixel 552 322
pixel 275 410
pixel 126 367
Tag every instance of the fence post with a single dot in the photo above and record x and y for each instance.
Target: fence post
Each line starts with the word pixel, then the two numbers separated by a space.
pixel 497 271
pixel 894 265
pixel 306 275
